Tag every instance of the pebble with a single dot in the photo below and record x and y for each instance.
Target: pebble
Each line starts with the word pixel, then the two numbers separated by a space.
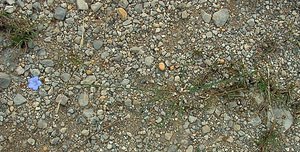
pixel 60 13
pixel 97 44
pixel 19 70
pixel 123 3
pixel 85 132
pixel 168 135
pixel 9 9
pixel 205 129
pixel 220 17
pixel 192 119
pixel 122 13
pixel 47 63
pixel 184 14
pixel 5 80
pixel 162 66
pixel 149 60
pixel 31 141
pixel 95 7
pixel 35 72
pixel 209 34
pixel 62 99
pixel 83 99
pixel 205 16
pixel 172 148
pixel 65 77
pixel 88 80
pixel 82 5
pixel 128 102
pixel 10 2
pixel 190 148
pixel 54 141
pixel 177 78
pixel 19 99
pixel 42 124
pixel 109 146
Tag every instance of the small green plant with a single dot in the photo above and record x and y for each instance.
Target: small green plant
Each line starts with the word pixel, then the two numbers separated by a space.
pixel 19 30
pixel 270 140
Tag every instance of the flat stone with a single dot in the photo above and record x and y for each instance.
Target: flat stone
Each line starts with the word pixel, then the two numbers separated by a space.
pixel 123 3
pixel 282 116
pixel 190 148
pixel 65 77
pixel 205 129
pixel 35 72
pixel 136 49
pixel 19 99
pixel 255 121
pixel 82 5
pixel 60 13
pixel 5 80
pixel 125 82
pixel 95 7
pixel 88 113
pixel 54 141
pixel 138 8
pixel 184 14
pixel 88 80
pixel 42 124
pixel 192 119
pixel 205 16
pixel 168 135
pixel 31 141
pixel 47 63
pixel 128 102
pixel 220 17
pixel 83 99
pixel 9 9
pixel 97 44
pixel 20 70
pixel 149 60
pixel 85 132
pixel 10 2
pixel 62 99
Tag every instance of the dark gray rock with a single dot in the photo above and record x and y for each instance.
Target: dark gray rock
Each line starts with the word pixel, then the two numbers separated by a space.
pixel 60 13
pixel 5 80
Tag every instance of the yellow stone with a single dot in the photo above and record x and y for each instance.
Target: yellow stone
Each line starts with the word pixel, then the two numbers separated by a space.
pixel 162 66
pixel 122 13
pixel 172 67
pixel 221 61
pixel 89 72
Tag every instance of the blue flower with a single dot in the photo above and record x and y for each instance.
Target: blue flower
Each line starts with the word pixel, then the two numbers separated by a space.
pixel 34 83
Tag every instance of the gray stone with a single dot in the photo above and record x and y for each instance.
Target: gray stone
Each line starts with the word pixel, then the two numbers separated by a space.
pixel 10 2
pixel 82 5
pixel 205 16
pixel 20 3
pixel 19 99
pixel 136 49
pixel 62 99
pixel 149 60
pixel 20 70
pixel 35 72
pixel 190 148
pixel 83 99
pixel 138 8
pixel 205 129
pixel 192 119
pixel 85 132
pixel 251 22
pixel 88 113
pixel 184 14
pixel 97 44
pixel 54 141
pixel 50 2
pixel 128 102
pixel 31 141
pixel 209 34
pixel 9 9
pixel 172 148
pixel 5 80
pixel 282 117
pixel 37 6
pixel 168 135
pixel 220 17
pixel 60 13
pixel 123 3
pixel 88 80
pixel 125 82
pixel 47 63
pixel 42 124
pixel 255 121
pixel 95 7
pixel 65 77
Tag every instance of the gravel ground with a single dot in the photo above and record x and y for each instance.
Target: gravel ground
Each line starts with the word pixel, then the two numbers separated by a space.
pixel 151 75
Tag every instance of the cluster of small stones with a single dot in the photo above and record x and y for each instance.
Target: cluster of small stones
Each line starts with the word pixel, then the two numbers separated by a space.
pixel 105 66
